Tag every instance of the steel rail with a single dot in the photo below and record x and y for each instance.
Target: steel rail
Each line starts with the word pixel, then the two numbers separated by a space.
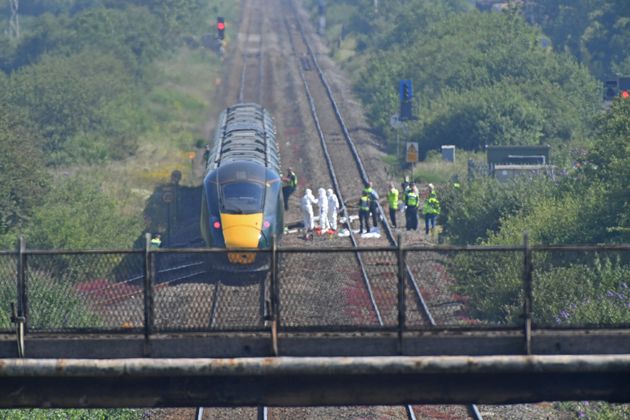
pixel 423 305
pixel 261 65
pixel 424 309
pixel 215 305
pixel 408 408
pixel 262 411
pixel 246 55
pixel 241 89
pixel 333 176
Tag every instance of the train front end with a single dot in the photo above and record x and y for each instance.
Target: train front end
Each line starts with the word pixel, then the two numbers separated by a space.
pixel 242 210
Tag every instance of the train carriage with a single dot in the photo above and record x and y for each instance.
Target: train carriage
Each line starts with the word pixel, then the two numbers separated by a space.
pixel 242 203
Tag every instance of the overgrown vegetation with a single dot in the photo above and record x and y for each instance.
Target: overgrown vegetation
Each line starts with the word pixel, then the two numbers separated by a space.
pixel 479 78
pixel 48 414
pixel 85 90
pixel 99 102
pixel 494 79
pixel 597 33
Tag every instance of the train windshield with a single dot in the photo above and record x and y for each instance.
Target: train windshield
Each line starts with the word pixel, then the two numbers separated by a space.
pixel 242 197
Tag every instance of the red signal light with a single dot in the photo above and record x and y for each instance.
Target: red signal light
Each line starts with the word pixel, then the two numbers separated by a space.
pixel 266 224
pixel 625 94
pixel 216 225
pixel 220 26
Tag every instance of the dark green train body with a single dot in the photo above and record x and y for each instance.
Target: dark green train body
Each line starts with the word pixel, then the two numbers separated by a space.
pixel 241 206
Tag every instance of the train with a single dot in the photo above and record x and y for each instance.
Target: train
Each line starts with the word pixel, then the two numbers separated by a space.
pixel 242 203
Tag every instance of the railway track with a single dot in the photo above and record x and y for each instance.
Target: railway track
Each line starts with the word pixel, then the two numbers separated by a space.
pixel 335 143
pixel 332 148
pixel 250 89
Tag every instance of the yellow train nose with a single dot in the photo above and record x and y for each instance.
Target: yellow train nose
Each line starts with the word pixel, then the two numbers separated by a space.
pixel 242 230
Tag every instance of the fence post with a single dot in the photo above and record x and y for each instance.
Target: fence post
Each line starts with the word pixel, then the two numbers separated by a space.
pixel 527 288
pixel 148 295
pixel 275 297
pixel 19 315
pixel 402 312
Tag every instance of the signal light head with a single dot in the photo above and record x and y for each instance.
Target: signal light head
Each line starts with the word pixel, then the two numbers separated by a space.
pixel 216 225
pixel 220 28
pixel 625 94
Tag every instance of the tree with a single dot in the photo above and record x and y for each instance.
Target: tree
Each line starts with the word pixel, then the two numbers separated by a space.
pixel 460 62
pixel 77 214
pixel 497 115
pixel 609 164
pixel 22 177
pixel 597 32
pixel 66 96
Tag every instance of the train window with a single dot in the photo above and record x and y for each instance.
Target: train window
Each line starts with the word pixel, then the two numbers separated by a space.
pixel 242 197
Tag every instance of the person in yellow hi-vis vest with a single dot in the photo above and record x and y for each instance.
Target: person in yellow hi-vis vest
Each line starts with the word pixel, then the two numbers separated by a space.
pixel 392 200
pixel 156 241
pixel 289 184
pixel 412 200
pixel 431 210
pixel 364 212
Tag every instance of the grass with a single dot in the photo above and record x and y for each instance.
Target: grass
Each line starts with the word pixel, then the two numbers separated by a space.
pixel 434 169
pixel 179 106
pixel 71 414
pixel 347 50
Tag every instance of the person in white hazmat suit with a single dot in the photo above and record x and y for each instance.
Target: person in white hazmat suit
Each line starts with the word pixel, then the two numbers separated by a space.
pixel 307 210
pixel 322 202
pixel 333 208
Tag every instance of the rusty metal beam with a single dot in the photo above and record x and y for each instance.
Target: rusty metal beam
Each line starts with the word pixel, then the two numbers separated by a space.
pixel 445 343
pixel 289 381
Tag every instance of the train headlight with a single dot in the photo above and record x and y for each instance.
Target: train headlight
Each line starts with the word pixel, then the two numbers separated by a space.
pixel 216 225
pixel 266 224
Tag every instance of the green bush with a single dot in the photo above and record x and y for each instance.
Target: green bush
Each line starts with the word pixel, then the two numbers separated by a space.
pixel 68 96
pixel 597 410
pixel 71 414
pixel 594 292
pixel 22 176
pixel 492 284
pixel 503 90
pixel 567 289
pixel 496 115
pixel 78 214
pixel 576 217
pixel 479 209
pixel 51 304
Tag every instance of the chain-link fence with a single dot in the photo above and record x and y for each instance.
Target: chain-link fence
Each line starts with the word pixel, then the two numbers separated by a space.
pixel 84 291
pixel 327 289
pixel 335 290
pixel 581 288
pixel 8 289
pixel 465 288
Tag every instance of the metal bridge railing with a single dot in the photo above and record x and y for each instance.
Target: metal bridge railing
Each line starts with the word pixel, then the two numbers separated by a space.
pixel 314 289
